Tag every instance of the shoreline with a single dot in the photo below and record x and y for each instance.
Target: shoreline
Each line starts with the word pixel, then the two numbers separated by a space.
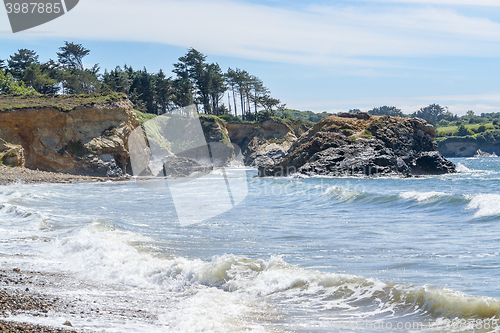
pixel 9 175
pixel 18 298
pixel 45 302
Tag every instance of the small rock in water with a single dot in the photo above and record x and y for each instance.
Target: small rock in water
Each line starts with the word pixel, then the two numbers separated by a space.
pixel 67 323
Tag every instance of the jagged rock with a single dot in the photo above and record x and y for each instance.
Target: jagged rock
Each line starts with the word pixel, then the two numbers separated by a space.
pixel 357 146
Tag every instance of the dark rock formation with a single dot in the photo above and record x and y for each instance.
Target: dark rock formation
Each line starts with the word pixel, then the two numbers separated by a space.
pixel 364 146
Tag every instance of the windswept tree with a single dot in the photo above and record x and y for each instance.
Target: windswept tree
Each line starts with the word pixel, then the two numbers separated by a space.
pixel 76 78
pixel 71 55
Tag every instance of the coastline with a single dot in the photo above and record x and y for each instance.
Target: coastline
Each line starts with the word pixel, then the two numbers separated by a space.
pixel 10 175
pixel 17 298
pixel 45 302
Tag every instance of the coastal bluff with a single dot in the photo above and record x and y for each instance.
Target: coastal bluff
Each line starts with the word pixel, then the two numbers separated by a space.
pixel 88 135
pixel 364 145
pixel 79 135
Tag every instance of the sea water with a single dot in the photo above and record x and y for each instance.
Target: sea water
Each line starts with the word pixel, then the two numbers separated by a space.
pixel 296 255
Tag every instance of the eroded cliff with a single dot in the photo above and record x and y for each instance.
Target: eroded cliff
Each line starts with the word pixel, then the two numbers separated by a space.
pixel 81 135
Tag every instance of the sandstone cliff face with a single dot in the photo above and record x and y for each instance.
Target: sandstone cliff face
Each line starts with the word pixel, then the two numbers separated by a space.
pixel 89 139
pixel 363 145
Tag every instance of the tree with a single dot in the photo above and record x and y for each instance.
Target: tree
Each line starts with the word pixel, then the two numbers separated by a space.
pixel 258 90
pixel 8 85
pixel 38 77
pixel 20 61
pixel 386 110
pixel 217 87
pixel 85 81
pixel 231 79
pixel 269 103
pixel 116 80
pixel 462 131
pixel 163 92
pixel 192 67
pixel 432 113
pixel 71 55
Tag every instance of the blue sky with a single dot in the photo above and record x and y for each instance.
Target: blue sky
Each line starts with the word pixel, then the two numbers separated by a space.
pixel 318 55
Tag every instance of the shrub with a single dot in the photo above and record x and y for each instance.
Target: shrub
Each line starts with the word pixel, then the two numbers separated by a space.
pixel 462 131
pixel 230 118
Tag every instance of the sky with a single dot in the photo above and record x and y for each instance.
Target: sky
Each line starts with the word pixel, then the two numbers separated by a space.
pixel 316 55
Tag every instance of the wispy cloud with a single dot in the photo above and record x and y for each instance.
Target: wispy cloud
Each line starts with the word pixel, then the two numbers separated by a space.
pixel 343 36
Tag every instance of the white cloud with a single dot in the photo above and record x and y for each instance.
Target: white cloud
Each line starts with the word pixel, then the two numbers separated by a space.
pixel 317 35
pixel 457 104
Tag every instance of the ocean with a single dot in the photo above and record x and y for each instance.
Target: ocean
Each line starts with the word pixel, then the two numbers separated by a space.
pixel 295 255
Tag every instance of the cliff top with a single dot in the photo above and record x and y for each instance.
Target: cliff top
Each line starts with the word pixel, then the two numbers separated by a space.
pixel 59 102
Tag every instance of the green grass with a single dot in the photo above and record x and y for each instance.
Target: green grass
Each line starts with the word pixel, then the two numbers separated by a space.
pixel 451 129
pixel 59 102
pixel 143 117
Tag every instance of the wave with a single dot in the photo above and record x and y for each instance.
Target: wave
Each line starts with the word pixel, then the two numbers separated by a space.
pixel 486 204
pixel 433 197
pixel 103 252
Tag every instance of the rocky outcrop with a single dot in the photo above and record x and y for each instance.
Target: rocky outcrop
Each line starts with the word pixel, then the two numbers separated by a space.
pixel 89 138
pixel 481 153
pixel 467 146
pixel 358 145
pixel 267 142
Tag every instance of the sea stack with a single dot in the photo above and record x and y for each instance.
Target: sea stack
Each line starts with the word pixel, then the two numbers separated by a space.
pixel 363 145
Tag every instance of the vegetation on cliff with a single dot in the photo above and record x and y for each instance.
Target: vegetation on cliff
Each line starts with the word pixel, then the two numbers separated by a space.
pixel 58 102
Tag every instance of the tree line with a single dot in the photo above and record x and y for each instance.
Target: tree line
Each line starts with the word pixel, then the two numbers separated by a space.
pixel 195 81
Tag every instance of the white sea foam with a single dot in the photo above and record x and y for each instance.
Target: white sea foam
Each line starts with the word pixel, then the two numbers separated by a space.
pixel 486 204
pixel 422 196
pixel 341 193
pixel 463 168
